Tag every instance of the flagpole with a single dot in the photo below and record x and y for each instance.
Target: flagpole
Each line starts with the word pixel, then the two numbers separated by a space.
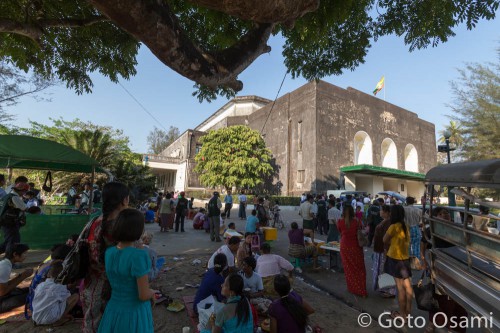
pixel 384 88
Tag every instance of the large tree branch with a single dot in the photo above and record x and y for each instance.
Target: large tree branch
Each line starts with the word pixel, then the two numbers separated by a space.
pixel 154 24
pixel 18 28
pixel 262 11
pixel 34 29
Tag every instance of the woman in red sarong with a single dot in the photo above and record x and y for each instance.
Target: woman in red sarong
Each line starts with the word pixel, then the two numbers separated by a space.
pixel 351 253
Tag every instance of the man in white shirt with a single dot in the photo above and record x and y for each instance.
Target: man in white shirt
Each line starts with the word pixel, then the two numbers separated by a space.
pixel 86 195
pixel 269 265
pixel 14 217
pixel 334 215
pixel 10 296
pixel 242 213
pixel 253 286
pixel 229 250
pixel 306 211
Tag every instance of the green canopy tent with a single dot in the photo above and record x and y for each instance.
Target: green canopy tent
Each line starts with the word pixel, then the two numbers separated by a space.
pixel 26 152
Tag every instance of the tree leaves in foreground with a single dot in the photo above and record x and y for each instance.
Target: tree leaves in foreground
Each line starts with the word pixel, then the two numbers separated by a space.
pixel 233 156
pixel 476 109
pixel 213 42
pixel 159 139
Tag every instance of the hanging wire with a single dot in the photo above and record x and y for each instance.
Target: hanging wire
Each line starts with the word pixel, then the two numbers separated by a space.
pixel 142 106
pixel 272 106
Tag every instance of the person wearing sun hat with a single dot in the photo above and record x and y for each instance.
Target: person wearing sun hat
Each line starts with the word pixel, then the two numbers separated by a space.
pixel 11 226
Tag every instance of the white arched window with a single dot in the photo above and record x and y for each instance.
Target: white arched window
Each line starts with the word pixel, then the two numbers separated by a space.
pixel 363 152
pixel 411 158
pixel 389 154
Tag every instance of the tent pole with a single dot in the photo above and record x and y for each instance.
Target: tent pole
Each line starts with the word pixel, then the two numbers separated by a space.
pixel 91 199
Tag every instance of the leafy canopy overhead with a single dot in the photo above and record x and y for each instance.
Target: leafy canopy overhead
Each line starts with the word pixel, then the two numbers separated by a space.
pixel 233 156
pixel 210 41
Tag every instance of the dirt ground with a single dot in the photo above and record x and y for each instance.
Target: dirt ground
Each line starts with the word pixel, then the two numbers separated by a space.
pixel 331 315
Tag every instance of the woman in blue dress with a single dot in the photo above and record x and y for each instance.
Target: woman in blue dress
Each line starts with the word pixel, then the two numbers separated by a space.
pixel 236 315
pixel 127 268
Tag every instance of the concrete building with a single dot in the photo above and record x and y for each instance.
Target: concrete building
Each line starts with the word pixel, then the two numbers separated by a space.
pixel 322 138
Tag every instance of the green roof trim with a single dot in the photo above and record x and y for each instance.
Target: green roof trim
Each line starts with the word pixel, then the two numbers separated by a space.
pixel 383 171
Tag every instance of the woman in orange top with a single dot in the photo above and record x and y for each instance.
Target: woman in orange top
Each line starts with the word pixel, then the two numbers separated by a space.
pixel 397 262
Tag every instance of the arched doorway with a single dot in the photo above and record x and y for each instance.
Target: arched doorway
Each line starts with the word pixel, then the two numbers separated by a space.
pixel 363 151
pixel 411 158
pixel 389 154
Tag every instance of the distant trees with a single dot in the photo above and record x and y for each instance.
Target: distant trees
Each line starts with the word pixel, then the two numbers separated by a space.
pixel 476 111
pixel 158 139
pixel 105 144
pixel 233 156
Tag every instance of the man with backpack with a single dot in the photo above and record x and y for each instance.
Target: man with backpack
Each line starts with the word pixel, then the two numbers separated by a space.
pixel 12 208
pixel 214 206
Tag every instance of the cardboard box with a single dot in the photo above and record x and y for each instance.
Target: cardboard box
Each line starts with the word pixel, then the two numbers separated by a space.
pixel 270 234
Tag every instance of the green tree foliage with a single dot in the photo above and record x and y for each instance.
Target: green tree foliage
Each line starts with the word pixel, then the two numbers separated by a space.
pixel 159 139
pixel 233 156
pixel 213 42
pixel 476 109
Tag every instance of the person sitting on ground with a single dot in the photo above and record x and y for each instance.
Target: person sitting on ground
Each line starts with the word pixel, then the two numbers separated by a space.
pixel 229 250
pixel 146 239
pixel 236 315
pixel 212 281
pixel 245 250
pixel 298 248
pixel 253 286
pixel 198 219
pixel 150 215
pixel 252 224
pixel 269 265
pixel 10 296
pixel 230 226
pixel 53 301
pixel 289 313
pixel 58 253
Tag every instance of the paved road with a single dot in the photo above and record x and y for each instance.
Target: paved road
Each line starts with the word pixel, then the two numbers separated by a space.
pixel 333 283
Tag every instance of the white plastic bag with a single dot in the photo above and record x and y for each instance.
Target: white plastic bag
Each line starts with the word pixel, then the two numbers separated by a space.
pixel 206 308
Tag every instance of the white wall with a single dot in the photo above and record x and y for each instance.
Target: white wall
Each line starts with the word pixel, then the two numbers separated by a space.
pixel 180 179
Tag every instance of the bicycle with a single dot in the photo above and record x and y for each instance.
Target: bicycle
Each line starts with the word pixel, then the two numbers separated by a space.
pixel 277 220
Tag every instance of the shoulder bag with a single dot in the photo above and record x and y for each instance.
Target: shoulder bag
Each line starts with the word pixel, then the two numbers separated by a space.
pixel 424 295
pixel 76 264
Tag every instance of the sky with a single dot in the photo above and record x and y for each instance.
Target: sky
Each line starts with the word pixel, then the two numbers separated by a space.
pixel 418 81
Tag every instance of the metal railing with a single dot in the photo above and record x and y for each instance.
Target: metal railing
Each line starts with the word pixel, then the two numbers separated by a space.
pixel 160 158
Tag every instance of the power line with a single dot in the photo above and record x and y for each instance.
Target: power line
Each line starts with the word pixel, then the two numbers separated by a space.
pixel 142 106
pixel 272 106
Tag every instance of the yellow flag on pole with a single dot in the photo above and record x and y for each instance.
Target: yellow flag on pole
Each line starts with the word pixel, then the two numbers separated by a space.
pixel 380 86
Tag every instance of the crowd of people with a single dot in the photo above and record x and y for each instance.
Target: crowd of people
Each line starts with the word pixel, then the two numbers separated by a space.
pixel 115 294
